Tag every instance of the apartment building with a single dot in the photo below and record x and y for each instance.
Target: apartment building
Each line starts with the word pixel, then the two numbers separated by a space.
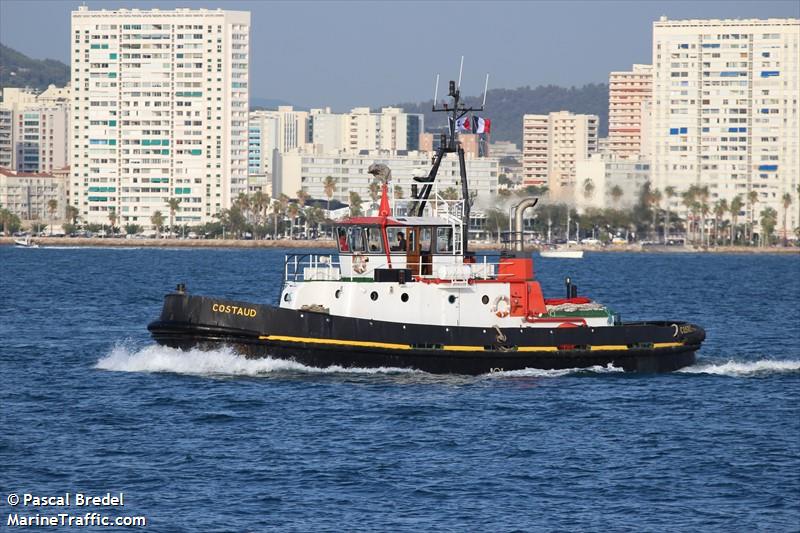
pixel 27 194
pixel 629 94
pixel 551 146
pixel 361 129
pixel 34 129
pixel 725 110
pixel 159 112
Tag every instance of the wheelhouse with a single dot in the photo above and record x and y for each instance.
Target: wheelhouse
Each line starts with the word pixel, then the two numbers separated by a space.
pixel 416 244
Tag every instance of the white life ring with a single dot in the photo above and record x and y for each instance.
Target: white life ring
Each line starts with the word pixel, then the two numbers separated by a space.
pixel 501 306
pixel 359 263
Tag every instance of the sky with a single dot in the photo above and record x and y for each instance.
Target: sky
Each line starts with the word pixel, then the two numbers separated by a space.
pixel 359 53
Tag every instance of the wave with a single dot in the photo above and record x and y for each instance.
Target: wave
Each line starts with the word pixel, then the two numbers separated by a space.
pixel 218 362
pixel 538 373
pixel 744 368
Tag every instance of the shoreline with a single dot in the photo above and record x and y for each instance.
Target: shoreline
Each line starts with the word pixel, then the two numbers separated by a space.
pixel 45 242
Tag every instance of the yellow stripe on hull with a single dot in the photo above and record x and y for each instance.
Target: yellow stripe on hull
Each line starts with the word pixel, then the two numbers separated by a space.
pixel 449 348
pixel 667 344
pixel 608 347
pixel 337 342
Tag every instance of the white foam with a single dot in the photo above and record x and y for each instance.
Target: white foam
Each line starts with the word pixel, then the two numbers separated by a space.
pixel 747 368
pixel 535 372
pixel 220 362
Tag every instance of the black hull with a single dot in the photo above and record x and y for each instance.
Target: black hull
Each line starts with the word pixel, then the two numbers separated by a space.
pixel 320 340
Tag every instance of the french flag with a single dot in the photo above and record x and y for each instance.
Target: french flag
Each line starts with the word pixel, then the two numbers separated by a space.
pixel 482 125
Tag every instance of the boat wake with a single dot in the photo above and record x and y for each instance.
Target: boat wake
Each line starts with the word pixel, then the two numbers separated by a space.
pixel 538 373
pixel 219 362
pixel 733 368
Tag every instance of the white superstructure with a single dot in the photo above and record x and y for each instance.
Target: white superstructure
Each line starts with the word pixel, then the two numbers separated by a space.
pixel 159 111
pixel 726 111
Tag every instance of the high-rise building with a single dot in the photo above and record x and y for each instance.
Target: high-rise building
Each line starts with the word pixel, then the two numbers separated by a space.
pixel 725 110
pixel 551 146
pixel 159 112
pixel 34 129
pixel 262 139
pixel 628 96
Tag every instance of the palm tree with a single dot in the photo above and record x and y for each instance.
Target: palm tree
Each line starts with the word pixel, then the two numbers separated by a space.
pixel 450 193
pixel 690 202
pixel 769 219
pixel 277 210
pixel 260 203
pixel 704 209
pixel 302 198
pixel 72 214
pixel 374 191
pixel 355 204
pixel 157 220
pixel 720 208
pixel 242 202
pixel 292 210
pixel 52 207
pixel 616 194
pixel 112 218
pixel 174 205
pixel 330 188
pixel 787 201
pixel 752 199
pixel 735 209
pixel 669 192
pixel 283 204
pixel 588 189
pixel 654 198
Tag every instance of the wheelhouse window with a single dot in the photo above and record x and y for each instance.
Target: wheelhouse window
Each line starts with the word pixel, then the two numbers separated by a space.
pixel 344 245
pixel 425 240
pixel 355 237
pixel 374 240
pixel 444 239
pixel 398 241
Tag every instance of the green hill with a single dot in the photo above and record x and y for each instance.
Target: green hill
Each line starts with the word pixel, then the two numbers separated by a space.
pixel 19 70
pixel 505 107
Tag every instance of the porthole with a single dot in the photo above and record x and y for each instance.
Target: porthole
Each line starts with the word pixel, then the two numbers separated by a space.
pixel 338 293
pixel 485 299
pixel 404 297
pixel 452 298
pixel 373 295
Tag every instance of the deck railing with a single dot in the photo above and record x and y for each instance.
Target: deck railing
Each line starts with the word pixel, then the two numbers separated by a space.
pixel 316 267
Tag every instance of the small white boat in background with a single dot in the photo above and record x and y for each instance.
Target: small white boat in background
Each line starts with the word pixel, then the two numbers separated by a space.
pixel 561 253
pixel 25 243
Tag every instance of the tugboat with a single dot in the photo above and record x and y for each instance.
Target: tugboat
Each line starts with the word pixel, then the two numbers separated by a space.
pixel 404 291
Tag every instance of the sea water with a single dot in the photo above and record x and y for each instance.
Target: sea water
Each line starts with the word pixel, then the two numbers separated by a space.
pixel 209 441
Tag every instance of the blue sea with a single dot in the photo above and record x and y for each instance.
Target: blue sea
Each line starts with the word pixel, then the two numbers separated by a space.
pixel 209 441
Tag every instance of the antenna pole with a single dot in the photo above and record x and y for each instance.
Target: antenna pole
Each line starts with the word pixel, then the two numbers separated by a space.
pixel 485 90
pixel 436 92
pixel 460 71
